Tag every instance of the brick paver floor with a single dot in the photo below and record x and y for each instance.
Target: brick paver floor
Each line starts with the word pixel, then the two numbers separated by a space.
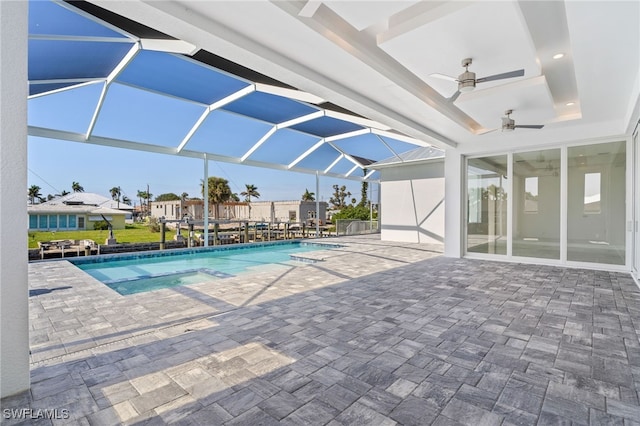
pixel 377 333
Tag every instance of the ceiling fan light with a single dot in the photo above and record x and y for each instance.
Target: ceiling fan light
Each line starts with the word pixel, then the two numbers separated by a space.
pixel 466 86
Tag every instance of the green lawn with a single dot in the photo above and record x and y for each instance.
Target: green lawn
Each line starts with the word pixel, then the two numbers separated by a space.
pixel 132 234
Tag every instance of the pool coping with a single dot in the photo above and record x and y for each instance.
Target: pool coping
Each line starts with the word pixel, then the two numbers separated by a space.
pixel 176 252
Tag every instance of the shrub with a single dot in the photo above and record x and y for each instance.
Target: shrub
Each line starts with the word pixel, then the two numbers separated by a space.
pixel 154 225
pixel 353 212
pixel 100 225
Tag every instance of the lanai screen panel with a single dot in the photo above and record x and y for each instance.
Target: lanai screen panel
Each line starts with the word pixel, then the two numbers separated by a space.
pixel 145 117
pixel 227 134
pixel 79 106
pixel 178 76
pixel 93 82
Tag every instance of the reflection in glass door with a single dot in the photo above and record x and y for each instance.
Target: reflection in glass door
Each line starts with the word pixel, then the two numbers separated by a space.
pixel 536 204
pixel 487 205
pixel 596 214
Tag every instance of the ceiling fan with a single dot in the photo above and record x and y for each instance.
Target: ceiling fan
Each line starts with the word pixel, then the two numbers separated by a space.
pixel 467 80
pixel 509 124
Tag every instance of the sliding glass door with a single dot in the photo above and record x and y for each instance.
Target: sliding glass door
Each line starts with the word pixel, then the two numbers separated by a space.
pixel 487 205
pixel 536 204
pixel 579 191
pixel 596 203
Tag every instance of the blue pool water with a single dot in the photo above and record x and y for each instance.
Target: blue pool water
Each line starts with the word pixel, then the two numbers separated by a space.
pixel 136 273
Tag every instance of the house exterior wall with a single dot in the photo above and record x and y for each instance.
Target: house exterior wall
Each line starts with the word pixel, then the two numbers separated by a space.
pixel 64 221
pixel 283 211
pixel 117 221
pixel 287 211
pixel 413 203
pixel 453 226
pixel 175 210
pixel 14 300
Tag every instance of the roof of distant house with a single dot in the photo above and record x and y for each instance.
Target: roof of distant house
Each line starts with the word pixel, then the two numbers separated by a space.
pixel 88 199
pixel 46 208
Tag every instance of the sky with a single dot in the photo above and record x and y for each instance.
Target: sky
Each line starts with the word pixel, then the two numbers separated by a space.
pixel 54 165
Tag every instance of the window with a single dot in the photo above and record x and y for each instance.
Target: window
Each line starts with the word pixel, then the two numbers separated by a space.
pixel 81 222
pixel 62 222
pixel 311 214
pixel 531 195
pixel 592 185
pixel 292 216
pixel 72 221
pixel 53 221
pixel 42 221
pixel 33 221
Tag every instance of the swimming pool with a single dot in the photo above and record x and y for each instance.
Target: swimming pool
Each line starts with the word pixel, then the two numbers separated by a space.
pixel 137 273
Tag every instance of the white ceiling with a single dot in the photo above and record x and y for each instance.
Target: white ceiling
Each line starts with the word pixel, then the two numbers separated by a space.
pixel 375 58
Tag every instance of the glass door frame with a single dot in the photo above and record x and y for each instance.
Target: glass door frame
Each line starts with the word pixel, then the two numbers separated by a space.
pixel 635 197
pixel 632 207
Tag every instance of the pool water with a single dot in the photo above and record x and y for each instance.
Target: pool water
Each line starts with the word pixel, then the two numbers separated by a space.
pixel 141 285
pixel 129 274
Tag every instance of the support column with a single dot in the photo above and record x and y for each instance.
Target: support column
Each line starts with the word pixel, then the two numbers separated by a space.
pixel 14 289
pixel 163 230
pixel 205 196
pixel 453 188
pixel 317 205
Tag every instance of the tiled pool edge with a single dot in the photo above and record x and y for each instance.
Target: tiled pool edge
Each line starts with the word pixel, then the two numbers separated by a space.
pixel 177 252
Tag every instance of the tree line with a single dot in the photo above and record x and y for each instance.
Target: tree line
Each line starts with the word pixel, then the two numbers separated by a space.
pixel 219 193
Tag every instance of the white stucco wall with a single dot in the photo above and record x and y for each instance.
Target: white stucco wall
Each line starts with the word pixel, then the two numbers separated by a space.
pixel 454 230
pixel 412 203
pixel 14 290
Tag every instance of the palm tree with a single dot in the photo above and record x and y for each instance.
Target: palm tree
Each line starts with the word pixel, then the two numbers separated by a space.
pixel 115 194
pixel 308 196
pixel 33 193
pixel 251 191
pixel 126 200
pixel 140 195
pixel 76 187
pixel 143 195
pixel 64 192
pixel 219 192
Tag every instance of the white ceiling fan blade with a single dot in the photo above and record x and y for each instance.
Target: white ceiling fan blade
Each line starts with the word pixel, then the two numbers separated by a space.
pixel 444 77
pixel 510 74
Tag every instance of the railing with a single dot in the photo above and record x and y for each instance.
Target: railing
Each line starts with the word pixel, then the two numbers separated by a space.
pixel 356 227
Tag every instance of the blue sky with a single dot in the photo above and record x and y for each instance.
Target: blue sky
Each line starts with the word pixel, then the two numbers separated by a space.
pixel 55 164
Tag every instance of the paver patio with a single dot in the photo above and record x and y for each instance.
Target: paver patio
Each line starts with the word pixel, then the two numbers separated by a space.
pixel 378 333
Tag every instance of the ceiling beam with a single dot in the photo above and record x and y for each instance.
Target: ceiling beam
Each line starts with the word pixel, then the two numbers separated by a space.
pixel 180 22
pixel 364 47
